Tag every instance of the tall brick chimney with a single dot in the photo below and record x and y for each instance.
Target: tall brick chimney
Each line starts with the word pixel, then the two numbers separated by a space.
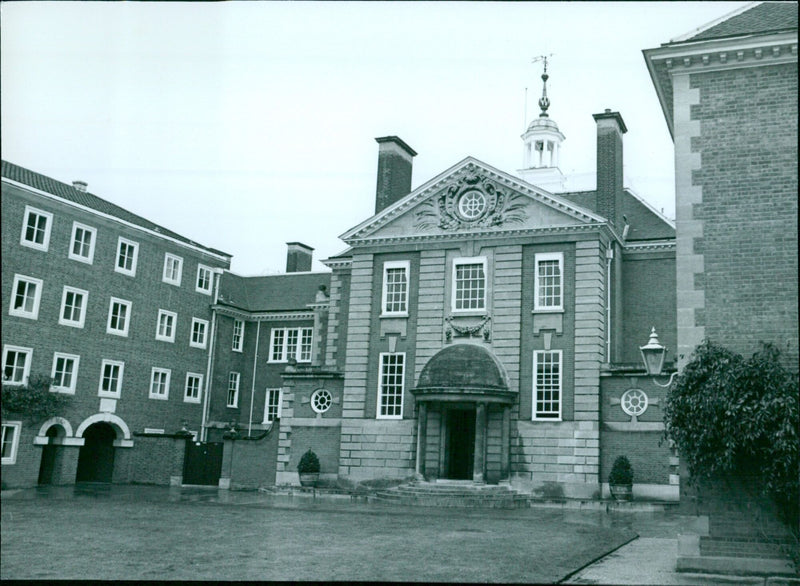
pixel 298 257
pixel 610 128
pixel 394 171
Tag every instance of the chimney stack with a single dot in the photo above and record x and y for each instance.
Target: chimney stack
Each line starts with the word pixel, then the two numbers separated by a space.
pixel 298 257
pixel 610 128
pixel 80 185
pixel 394 171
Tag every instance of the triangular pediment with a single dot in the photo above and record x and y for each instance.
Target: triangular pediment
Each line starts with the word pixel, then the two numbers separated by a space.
pixel 471 197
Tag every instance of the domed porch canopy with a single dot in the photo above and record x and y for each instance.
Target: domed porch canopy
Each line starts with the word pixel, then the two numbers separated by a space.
pixel 464 372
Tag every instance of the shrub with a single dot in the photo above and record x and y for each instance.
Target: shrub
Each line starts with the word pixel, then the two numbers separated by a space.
pixel 731 416
pixel 621 471
pixel 34 400
pixel 309 463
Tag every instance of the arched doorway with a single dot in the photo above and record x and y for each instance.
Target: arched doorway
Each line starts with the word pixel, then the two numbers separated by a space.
pixel 50 454
pixel 96 459
pixel 465 402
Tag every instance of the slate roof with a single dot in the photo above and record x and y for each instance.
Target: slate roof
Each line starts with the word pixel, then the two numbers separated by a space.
pixel 89 200
pixel 286 292
pixel 768 17
pixel 645 224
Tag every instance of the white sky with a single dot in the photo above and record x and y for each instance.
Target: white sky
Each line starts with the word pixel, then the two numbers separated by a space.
pixel 248 125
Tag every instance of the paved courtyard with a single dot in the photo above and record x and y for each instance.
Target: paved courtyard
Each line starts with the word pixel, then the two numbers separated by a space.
pixel 147 533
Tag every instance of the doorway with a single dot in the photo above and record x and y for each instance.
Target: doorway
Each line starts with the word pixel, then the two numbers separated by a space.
pixel 96 458
pixel 50 451
pixel 460 443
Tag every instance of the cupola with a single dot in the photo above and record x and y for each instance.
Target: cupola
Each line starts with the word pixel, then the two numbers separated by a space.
pixel 542 146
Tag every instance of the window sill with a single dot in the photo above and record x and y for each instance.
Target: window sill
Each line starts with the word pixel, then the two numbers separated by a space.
pixel 543 311
pixel 403 315
pixel 468 312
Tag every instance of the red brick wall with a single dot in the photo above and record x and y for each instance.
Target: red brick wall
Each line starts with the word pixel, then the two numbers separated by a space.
pixel 252 462
pixel 748 144
pixel 140 351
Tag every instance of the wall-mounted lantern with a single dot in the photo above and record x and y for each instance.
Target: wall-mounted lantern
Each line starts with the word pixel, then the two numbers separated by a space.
pixel 653 354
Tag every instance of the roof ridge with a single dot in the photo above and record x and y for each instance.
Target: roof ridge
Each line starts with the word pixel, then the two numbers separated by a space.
pixel 35 180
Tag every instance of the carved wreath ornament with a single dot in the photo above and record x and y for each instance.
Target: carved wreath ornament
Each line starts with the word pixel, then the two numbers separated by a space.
pixel 472 201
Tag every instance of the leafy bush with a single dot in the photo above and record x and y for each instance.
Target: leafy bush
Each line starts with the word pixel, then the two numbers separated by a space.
pixel 33 400
pixel 621 471
pixel 732 416
pixel 309 463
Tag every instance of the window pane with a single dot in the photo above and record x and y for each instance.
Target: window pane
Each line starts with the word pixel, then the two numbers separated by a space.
pixel 391 389
pixel 549 294
pixel 470 286
pixel 548 384
pixel 396 290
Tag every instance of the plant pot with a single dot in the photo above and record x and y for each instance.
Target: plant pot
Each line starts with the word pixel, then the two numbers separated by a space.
pixel 309 478
pixel 621 492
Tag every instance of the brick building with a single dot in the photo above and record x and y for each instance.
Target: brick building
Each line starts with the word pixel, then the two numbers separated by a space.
pixel 482 328
pixel 729 94
pixel 117 310
pixel 478 328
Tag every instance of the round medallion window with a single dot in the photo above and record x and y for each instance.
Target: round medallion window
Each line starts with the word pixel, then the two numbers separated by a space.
pixel 634 402
pixel 321 400
pixel 472 205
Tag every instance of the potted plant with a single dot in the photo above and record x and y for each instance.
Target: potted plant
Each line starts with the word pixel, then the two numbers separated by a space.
pixel 620 481
pixel 308 469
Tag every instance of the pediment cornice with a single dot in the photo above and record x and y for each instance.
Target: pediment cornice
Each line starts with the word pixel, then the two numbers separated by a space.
pixel 499 187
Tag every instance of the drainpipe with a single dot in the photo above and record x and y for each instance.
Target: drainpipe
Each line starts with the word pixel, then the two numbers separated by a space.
pixel 253 388
pixel 609 258
pixel 210 363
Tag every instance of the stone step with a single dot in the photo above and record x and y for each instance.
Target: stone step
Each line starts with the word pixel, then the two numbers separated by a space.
pixel 410 489
pixel 730 548
pixel 455 502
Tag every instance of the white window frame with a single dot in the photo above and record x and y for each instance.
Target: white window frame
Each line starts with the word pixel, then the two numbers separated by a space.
pixel 201 268
pixel 381 394
pixel 192 343
pixel 283 350
pixel 135 245
pixel 536 357
pixel 471 260
pixel 186 397
pixel 167 374
pixel 153 430
pixel 82 318
pixel 111 394
pixel 167 314
pixel 238 347
pixel 26 370
pixel 37 297
pixel 89 258
pixel 48 226
pixel 16 426
pixel 233 377
pixel 117 332
pixel 267 403
pixel 74 382
pixel 174 260
pixel 538 258
pixel 395 264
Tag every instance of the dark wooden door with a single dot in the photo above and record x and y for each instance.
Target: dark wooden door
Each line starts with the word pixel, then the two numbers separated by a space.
pixel 96 458
pixel 461 443
pixel 202 463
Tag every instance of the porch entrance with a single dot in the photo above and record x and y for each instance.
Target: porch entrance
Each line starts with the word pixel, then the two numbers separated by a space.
pixel 96 458
pixel 460 443
pixel 49 455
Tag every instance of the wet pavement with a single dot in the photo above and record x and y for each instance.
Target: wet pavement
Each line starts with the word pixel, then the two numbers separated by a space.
pixel 649 558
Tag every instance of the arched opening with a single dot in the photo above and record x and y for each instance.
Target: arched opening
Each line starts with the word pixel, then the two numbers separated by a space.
pixel 51 454
pixel 464 403
pixel 96 458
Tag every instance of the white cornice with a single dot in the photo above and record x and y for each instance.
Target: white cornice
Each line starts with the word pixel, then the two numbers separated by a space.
pixel 262 315
pixel 427 189
pixel 94 212
pixel 336 263
pixel 656 245
pixel 729 53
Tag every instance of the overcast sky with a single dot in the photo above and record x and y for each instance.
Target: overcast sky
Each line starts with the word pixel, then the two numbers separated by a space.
pixel 248 125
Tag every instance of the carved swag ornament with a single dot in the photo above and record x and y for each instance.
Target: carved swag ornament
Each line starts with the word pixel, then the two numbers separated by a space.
pixel 472 201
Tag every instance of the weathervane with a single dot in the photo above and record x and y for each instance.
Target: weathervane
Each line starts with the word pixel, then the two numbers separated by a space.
pixel 544 101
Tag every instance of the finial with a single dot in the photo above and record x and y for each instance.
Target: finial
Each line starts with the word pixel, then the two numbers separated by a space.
pixel 544 101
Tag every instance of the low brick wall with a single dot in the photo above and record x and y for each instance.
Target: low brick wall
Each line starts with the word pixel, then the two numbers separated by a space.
pixel 250 463
pixel 153 459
